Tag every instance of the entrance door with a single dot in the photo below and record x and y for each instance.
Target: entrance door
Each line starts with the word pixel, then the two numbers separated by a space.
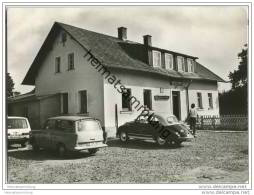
pixel 176 104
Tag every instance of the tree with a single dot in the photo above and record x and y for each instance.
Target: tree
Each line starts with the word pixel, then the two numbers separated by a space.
pixel 9 85
pixel 235 101
pixel 238 78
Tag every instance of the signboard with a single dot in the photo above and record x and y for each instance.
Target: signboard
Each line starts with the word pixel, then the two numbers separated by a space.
pixel 161 97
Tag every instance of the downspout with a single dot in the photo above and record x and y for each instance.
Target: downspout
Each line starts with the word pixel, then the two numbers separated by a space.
pixel 187 95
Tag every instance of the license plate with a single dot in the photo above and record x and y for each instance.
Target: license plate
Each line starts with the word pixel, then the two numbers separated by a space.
pixel 91 144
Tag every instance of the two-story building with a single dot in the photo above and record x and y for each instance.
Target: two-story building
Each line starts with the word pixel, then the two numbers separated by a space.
pixel 77 71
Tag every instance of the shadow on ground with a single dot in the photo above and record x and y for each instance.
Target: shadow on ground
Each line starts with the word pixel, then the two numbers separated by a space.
pixel 28 154
pixel 140 144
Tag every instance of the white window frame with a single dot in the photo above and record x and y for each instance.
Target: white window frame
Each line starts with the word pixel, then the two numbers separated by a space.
pixel 201 100
pixel 210 98
pixel 190 63
pixel 154 64
pixel 180 66
pixel 170 59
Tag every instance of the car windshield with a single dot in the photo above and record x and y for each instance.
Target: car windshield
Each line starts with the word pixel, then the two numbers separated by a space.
pixel 89 125
pixel 17 124
pixel 172 119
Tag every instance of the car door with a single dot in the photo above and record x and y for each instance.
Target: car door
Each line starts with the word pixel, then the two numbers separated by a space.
pixel 154 127
pixel 146 129
pixel 45 135
pixel 141 124
pixel 64 133
pixel 56 134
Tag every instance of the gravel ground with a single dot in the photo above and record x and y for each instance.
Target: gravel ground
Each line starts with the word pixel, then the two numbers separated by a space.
pixel 210 158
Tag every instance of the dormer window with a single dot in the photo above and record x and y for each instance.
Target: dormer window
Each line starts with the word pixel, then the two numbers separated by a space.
pixel 156 59
pixel 191 64
pixel 180 63
pixel 169 60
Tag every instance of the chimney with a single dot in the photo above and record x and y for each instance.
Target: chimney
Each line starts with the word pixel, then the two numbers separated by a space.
pixel 122 33
pixel 147 40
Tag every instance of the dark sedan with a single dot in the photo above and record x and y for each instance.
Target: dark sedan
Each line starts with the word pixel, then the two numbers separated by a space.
pixel 162 128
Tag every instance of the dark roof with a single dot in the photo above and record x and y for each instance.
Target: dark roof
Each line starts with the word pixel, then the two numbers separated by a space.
pixel 113 52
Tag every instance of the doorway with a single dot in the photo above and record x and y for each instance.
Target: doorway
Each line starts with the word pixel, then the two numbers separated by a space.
pixel 176 104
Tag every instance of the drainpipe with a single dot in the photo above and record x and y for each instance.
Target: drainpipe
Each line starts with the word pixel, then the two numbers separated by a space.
pixel 187 95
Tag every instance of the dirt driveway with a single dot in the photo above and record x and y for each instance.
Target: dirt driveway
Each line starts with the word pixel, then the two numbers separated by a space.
pixel 210 158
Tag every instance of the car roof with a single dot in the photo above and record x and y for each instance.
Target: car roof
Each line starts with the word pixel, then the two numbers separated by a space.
pixel 160 114
pixel 16 117
pixel 70 118
pixel 163 114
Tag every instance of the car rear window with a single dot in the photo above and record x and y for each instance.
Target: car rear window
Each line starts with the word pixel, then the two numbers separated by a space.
pixel 17 124
pixel 172 119
pixel 89 125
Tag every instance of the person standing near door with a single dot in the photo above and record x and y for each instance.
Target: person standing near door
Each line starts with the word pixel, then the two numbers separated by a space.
pixel 193 118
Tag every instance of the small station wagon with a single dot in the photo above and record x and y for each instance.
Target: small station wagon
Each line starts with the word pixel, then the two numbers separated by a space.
pixel 69 133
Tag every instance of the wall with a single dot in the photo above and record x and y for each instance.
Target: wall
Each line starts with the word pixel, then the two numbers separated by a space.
pixel 49 107
pixel 83 77
pixel 29 109
pixel 204 88
pixel 138 82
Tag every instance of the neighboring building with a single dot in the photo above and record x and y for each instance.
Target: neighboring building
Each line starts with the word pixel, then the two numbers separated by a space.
pixel 162 80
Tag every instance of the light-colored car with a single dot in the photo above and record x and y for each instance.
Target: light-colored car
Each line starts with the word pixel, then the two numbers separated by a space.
pixel 18 130
pixel 69 133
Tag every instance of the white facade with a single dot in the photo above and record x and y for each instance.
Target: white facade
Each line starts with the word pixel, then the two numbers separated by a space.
pixel 83 77
pixel 138 82
pixel 103 96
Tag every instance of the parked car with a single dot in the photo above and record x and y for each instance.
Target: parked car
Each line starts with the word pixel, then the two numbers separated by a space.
pixel 162 128
pixel 69 133
pixel 18 130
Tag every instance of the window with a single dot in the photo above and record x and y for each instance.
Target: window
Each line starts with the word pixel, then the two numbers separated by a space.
pixel 50 124
pixel 63 38
pixel 57 64
pixel 210 100
pixel 83 101
pixel 71 61
pixel 65 125
pixel 156 59
pixel 180 63
pixel 190 63
pixel 169 61
pixel 65 103
pixel 148 99
pixel 126 101
pixel 199 96
pixel 89 125
pixel 17 124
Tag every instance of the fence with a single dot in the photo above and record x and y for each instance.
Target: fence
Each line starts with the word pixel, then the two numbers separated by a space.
pixel 223 122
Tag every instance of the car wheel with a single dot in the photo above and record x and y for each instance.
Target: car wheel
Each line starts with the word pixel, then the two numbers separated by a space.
pixel 174 143
pixel 123 136
pixel 24 144
pixel 93 151
pixel 35 147
pixel 61 150
pixel 160 141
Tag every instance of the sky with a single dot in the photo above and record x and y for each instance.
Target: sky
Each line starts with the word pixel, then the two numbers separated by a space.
pixel 215 34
